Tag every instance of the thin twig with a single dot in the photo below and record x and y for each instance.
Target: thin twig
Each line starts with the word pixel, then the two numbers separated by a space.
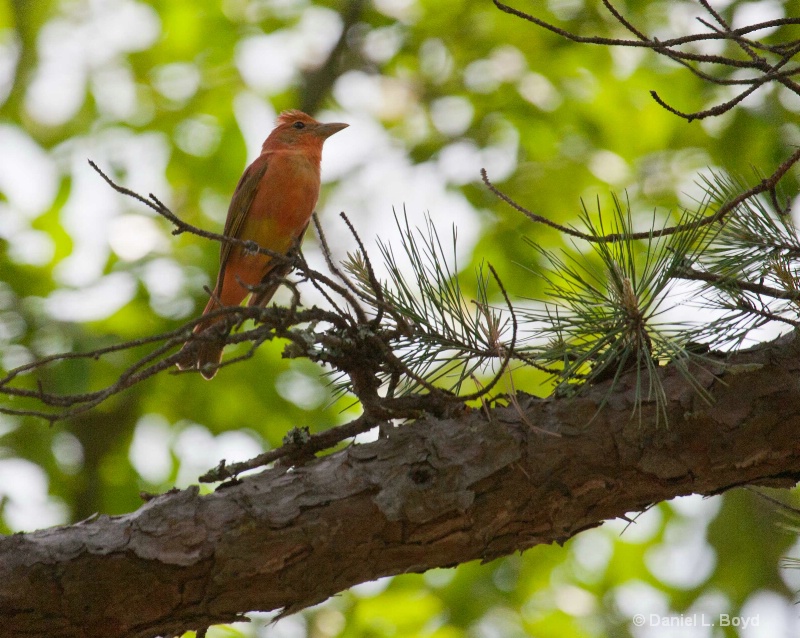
pixel 181 226
pixel 315 443
pixel 351 289
pixel 765 185
pixel 721 281
pixel 377 289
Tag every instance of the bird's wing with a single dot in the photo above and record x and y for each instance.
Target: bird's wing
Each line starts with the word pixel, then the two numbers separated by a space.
pixel 240 203
pixel 271 280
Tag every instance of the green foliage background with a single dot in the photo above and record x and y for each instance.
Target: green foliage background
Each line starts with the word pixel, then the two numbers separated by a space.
pixel 155 91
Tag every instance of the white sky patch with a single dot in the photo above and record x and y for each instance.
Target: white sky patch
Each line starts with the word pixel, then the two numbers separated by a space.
pixel 673 171
pixel 499 158
pixel 403 10
pixel 86 217
pixel 389 181
pixel 359 92
pixel 789 100
pixel 29 506
pixel 58 87
pixel 178 81
pixel 637 597
pixel 367 437
pixel 685 305
pixel 15 356
pixel 748 13
pixel 371 588
pixel 626 60
pixel 716 126
pixel 12 326
pixel 452 115
pixel 132 237
pixel 166 281
pixel 685 559
pixel 382 44
pixel 460 162
pixel 565 9
pixel 508 63
pixel 353 147
pixel 505 64
pixel 28 175
pixel 379 96
pixel 790 574
pixel 73 45
pixel 712 603
pixel 256 118
pixel 609 167
pixel 68 452
pixel 32 247
pixel 776 615
pixel 94 302
pixel 92 205
pixel 435 60
pixel 697 507
pixel 236 446
pixel 304 391
pixel 646 526
pixel 114 91
pixel 292 627
pixel 573 600
pixel 498 622
pixel 198 450
pixel 198 135
pixel 270 63
pixel 194 446
pixel 539 91
pixel 592 550
pixel 149 452
pixel 163 277
pixel 8 424
pixel 9 57
pixel 318 31
pixel 265 62
pixel 479 77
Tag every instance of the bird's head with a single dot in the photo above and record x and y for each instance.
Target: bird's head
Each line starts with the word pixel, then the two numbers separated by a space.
pixel 295 128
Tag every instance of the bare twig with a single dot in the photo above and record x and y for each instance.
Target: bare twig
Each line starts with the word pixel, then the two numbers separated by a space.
pixel 314 443
pixel 182 227
pixel 764 186
pixel 670 49
pixel 737 284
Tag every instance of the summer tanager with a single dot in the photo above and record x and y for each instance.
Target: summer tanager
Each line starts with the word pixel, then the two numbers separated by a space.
pixel 271 206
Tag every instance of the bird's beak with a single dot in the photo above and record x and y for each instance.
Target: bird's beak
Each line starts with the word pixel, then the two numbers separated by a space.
pixel 326 130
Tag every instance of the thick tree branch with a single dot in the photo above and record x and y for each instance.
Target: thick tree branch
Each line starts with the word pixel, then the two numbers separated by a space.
pixel 437 492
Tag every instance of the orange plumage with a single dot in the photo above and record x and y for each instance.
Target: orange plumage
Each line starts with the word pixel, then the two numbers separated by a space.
pixel 271 206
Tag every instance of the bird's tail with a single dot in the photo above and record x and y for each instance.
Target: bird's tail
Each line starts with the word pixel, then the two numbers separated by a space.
pixel 203 350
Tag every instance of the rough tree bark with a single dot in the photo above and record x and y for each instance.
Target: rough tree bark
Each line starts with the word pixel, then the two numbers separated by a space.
pixel 430 493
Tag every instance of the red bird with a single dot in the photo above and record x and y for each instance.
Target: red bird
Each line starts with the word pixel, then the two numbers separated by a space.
pixel 271 206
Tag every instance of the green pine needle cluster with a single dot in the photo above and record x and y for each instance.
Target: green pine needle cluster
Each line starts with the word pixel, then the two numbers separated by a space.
pixel 603 312
pixel 751 262
pixel 609 304
pixel 441 334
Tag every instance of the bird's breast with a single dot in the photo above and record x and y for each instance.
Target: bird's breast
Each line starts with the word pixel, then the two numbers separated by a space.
pixel 288 192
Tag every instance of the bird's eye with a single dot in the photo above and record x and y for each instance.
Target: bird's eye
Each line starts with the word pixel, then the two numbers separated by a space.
pixel 299 125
